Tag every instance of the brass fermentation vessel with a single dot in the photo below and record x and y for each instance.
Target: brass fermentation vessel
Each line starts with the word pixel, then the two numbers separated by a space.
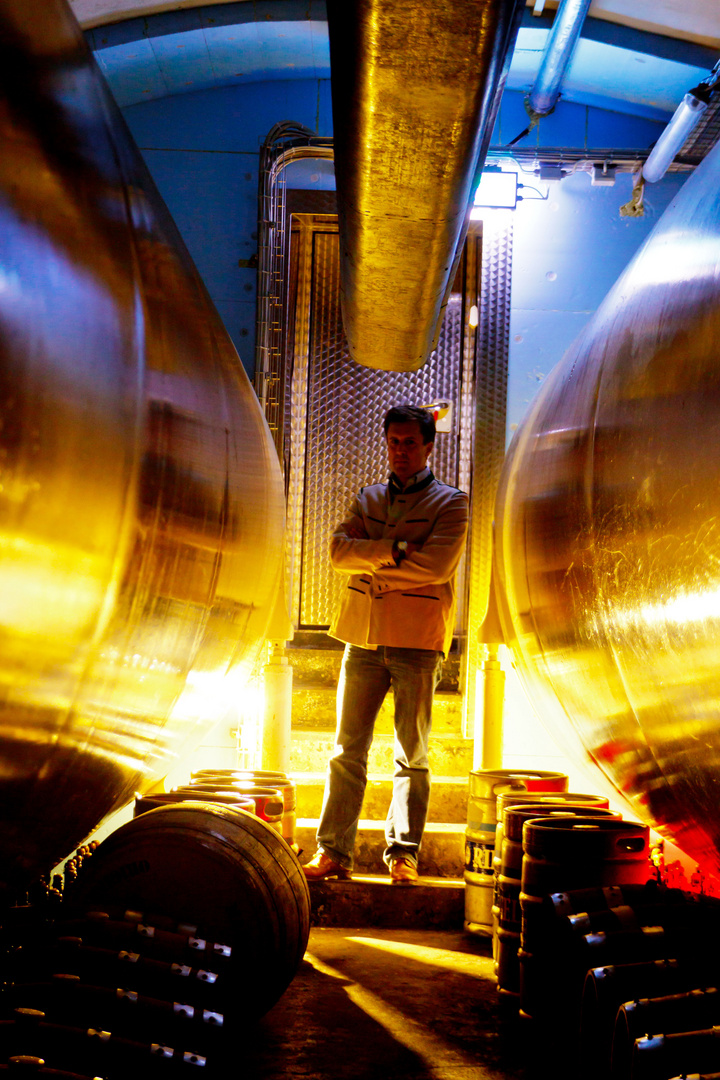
pixel 141 506
pixel 608 531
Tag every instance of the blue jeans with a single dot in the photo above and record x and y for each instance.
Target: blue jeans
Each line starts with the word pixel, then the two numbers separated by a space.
pixel 366 676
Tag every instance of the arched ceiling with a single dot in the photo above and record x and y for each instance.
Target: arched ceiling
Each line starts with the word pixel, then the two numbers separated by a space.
pixel 690 20
pixel 634 56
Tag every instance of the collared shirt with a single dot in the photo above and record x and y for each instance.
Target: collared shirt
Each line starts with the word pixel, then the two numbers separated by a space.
pixel 396 487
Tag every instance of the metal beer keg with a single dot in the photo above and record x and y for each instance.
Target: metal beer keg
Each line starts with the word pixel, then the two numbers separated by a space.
pixel 485 786
pixel 513 798
pixel 510 915
pixel 566 853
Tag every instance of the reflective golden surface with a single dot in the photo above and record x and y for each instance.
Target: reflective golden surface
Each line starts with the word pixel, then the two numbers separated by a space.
pixel 414 89
pixel 608 530
pixel 141 507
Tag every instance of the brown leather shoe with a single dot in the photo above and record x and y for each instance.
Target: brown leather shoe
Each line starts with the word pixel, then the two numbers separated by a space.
pixel 403 872
pixel 322 866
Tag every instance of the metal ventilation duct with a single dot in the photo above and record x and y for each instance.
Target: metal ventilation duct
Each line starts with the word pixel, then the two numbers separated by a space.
pixel 415 91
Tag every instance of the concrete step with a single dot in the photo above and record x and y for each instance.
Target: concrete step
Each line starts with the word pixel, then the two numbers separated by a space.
pixel 314 708
pixel 371 900
pixel 448 796
pixel 449 754
pixel 442 854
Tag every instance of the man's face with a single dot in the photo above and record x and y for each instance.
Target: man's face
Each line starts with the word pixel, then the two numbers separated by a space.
pixel 407 453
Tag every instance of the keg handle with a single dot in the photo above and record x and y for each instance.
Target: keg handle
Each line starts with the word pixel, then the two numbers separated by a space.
pixel 632 843
pixel 502 788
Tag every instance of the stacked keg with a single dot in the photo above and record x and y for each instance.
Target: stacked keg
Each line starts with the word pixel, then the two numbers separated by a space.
pixel 268 795
pixel 614 971
pixel 509 913
pixel 480 836
pixel 513 856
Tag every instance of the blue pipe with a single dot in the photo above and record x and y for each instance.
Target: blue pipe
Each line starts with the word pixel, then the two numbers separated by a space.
pixel 556 58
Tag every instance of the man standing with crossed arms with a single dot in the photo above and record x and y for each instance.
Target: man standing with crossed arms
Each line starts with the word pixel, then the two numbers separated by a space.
pixel 399 546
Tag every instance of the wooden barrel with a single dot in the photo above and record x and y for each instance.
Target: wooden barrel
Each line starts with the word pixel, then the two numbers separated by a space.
pixel 224 871
pixel 484 787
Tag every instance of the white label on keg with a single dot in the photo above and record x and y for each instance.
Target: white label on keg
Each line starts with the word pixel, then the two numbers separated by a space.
pixel 478 857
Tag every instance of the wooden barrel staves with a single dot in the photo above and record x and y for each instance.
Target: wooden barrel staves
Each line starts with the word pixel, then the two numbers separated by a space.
pixel 222 870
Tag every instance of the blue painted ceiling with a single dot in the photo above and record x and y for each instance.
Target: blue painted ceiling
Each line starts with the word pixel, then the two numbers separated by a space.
pixel 614 67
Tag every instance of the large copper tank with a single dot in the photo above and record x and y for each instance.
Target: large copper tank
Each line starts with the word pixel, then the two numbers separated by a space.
pixel 141 506
pixel 608 531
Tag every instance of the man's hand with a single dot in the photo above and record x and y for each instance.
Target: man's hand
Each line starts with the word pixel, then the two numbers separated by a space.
pixel 356 532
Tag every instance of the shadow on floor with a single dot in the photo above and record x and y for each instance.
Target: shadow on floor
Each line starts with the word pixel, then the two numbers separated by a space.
pixel 373 1003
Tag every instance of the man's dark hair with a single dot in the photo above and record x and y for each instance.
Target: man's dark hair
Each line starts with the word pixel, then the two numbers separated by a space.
pixel 408 414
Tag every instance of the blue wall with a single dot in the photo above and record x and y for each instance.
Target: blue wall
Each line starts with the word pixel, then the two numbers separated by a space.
pixel 569 249
pixel 203 152
pixel 570 242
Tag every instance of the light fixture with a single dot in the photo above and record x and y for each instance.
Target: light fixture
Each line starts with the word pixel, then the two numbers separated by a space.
pixel 672 138
pixel 496 189
pixel 683 122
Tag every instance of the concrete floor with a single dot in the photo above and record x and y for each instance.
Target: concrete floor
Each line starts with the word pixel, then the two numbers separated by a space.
pixel 369 1003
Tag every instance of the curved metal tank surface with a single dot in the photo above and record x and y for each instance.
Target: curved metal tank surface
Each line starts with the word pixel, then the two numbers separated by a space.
pixel 141 505
pixel 608 531
pixel 415 90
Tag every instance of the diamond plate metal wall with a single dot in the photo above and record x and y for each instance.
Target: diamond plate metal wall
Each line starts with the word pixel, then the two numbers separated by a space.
pixel 337 413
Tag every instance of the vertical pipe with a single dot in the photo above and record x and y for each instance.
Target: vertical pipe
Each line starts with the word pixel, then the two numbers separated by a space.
pixel 561 42
pixel 277 715
pixel 493 700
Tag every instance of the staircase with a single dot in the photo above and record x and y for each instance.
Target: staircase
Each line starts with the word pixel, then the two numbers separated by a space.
pixel 368 899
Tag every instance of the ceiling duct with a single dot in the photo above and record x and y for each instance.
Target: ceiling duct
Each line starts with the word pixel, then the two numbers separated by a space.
pixel 415 93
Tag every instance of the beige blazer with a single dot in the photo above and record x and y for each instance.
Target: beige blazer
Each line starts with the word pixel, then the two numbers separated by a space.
pixel 410 606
